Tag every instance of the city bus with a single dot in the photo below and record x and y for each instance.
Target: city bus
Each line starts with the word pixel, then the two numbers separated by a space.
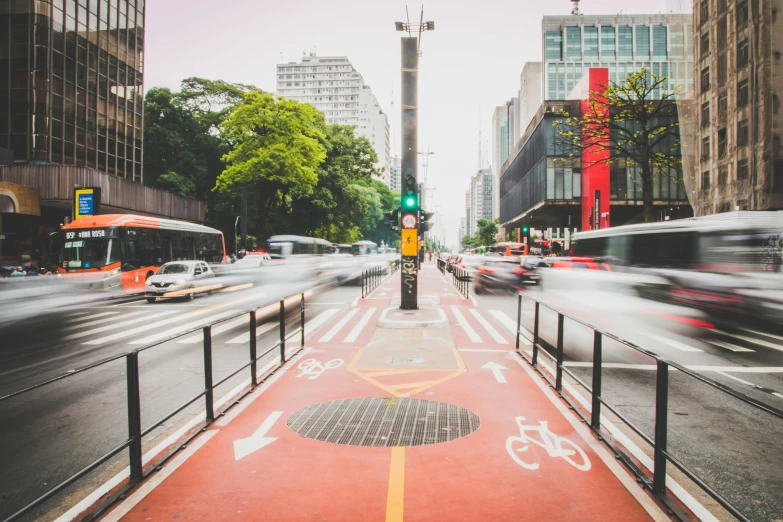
pixel 112 251
pixel 364 248
pixel 508 249
pixel 280 247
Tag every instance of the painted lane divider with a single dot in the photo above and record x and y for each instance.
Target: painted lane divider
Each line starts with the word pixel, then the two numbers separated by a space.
pixel 336 328
pixel 253 443
pixel 496 370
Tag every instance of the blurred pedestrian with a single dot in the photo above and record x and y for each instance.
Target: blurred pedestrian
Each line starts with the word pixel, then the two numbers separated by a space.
pixel 17 272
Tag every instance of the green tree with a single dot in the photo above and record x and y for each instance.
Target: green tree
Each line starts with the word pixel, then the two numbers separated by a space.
pixel 487 230
pixel 277 146
pixel 635 120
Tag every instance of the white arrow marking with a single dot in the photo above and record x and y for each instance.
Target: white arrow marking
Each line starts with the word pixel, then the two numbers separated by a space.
pixel 495 368
pixel 253 443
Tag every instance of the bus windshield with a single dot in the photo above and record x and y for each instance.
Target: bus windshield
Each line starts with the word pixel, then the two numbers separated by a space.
pixel 89 253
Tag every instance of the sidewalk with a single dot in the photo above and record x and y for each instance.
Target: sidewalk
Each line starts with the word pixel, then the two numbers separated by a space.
pixel 388 424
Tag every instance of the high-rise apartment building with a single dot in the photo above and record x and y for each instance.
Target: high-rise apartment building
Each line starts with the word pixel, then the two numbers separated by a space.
pixel 482 197
pixel 623 43
pixel 468 200
pixel 332 85
pixel 504 136
pixel 737 131
pixel 529 96
pixel 395 174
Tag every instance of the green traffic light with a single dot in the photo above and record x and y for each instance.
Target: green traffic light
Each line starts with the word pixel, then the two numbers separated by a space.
pixel 524 230
pixel 409 203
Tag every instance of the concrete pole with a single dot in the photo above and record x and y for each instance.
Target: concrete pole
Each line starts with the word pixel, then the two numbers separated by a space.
pixel 409 281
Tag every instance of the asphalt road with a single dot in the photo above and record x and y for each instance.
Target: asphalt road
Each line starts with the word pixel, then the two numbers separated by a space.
pixel 735 448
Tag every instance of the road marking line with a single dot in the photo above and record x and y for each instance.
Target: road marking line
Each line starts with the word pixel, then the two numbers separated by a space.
pixel 199 337
pixel 777 394
pixel 729 346
pixel 395 498
pixel 509 323
pixel 732 369
pixel 488 327
pixel 84 318
pixel 311 304
pixel 181 328
pixel 245 337
pixel 753 340
pixel 319 320
pixel 154 481
pixel 359 327
pixel 473 300
pixel 474 337
pixel 100 321
pixel 76 314
pixel 115 325
pixel 743 381
pixel 779 338
pixel 673 344
pixel 356 301
pixel 484 350
pixel 336 328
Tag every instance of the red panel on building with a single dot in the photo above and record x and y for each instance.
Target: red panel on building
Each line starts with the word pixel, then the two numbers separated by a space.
pixel 595 169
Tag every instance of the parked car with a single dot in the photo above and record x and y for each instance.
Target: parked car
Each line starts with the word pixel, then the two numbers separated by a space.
pixel 177 279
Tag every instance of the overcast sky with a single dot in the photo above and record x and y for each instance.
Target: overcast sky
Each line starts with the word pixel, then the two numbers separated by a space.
pixel 470 63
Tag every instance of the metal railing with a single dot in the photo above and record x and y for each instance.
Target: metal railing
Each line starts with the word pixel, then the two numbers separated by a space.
pixel 461 280
pixel 661 454
pixel 441 265
pixel 135 432
pixel 372 277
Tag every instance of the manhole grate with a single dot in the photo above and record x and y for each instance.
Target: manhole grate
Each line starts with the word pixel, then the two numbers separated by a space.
pixel 373 421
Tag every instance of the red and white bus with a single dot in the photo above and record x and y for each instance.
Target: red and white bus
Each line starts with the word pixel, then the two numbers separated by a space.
pixel 112 251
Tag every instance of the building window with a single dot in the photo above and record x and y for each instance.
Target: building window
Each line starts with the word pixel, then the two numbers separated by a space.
pixel 742 94
pixel 723 175
pixel 722 69
pixel 705 79
pixel 722 143
pixel 743 53
pixel 704 43
pixel 742 13
pixel 705 180
pixel 573 43
pixel 743 172
pixel 722 6
pixel 625 42
pixel 659 42
pixel 553 41
pixel 704 11
pixel 742 133
pixel 608 49
pixel 642 42
pixel 705 148
pixel 723 31
pixel 677 50
pixel 723 107
pixel 591 43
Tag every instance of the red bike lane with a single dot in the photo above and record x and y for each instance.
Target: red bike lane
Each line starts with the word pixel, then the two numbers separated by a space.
pixel 511 449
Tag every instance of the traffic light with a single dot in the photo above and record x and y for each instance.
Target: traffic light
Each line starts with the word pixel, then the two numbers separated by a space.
pixel 410 196
pixel 525 230
pixel 425 221
pixel 392 220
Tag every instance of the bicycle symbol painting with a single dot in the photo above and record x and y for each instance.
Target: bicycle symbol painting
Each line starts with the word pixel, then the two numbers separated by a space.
pixel 313 369
pixel 555 445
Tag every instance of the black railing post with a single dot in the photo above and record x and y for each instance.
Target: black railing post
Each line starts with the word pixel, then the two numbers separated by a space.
pixel 209 405
pixel 534 359
pixel 282 331
pixel 134 416
pixel 559 369
pixel 661 426
pixel 595 412
pixel 519 317
pixel 253 355
pixel 302 318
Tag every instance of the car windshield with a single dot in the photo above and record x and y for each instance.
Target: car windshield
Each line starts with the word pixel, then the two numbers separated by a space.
pixel 174 268
pixel 89 253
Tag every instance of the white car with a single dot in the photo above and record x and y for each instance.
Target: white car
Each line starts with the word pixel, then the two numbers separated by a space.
pixel 177 279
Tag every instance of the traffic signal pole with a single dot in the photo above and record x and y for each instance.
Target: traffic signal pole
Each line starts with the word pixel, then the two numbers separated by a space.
pixel 409 246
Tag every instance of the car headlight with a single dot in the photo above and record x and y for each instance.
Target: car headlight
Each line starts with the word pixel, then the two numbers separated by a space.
pixel 148 283
pixel 179 282
pixel 114 272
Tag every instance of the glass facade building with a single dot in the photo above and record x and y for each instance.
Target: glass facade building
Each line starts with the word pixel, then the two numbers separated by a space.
pixel 71 83
pixel 622 43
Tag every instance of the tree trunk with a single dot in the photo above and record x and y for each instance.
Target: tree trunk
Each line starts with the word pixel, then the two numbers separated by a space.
pixel 647 193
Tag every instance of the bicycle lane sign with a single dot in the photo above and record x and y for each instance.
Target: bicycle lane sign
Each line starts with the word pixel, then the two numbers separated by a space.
pixel 518 447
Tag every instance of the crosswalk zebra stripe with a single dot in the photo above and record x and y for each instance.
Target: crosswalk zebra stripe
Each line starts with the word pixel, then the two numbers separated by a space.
pixel 474 337
pixel 86 317
pixel 149 326
pixel 228 325
pixel 359 327
pixel 488 327
pixel 101 321
pixel 336 328
pixel 181 328
pixel 729 346
pixel 260 329
pixel 114 326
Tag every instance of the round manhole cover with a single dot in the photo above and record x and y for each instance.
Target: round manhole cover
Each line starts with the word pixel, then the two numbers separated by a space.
pixel 373 421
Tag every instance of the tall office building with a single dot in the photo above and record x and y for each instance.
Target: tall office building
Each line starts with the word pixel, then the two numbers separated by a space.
pixel 739 84
pixel 529 96
pixel 468 199
pixel 395 174
pixel 504 136
pixel 482 197
pixel 332 85
pixel 623 43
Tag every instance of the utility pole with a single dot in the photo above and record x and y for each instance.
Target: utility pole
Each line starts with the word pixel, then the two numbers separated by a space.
pixel 410 50
pixel 243 213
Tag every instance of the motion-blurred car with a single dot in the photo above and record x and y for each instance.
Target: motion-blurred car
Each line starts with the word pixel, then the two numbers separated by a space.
pixel 177 279
pixel 470 264
pixel 451 261
pixel 568 263
pixel 501 274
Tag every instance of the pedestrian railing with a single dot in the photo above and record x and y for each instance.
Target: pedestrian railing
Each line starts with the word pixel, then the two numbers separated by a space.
pixel 133 443
pixel 372 277
pixel 461 279
pixel 442 265
pixel 662 453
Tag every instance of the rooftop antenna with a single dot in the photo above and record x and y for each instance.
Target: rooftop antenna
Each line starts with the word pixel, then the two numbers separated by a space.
pixel 575 10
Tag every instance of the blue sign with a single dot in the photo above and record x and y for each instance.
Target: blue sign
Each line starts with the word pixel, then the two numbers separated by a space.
pixel 85 204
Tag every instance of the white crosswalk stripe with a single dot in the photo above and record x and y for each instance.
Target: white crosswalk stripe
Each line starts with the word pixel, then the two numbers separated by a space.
pixel 86 317
pixel 102 321
pixel 336 328
pixel 505 320
pixel 114 326
pixel 474 337
pixel 219 329
pixel 182 328
pixel 729 346
pixel 754 340
pixel 488 327
pixel 359 327
pixel 673 343
pixel 319 320
pixel 245 336
pixel 146 328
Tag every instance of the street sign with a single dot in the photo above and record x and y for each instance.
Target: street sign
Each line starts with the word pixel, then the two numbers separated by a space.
pixel 409 242
pixel 409 221
pixel 86 201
